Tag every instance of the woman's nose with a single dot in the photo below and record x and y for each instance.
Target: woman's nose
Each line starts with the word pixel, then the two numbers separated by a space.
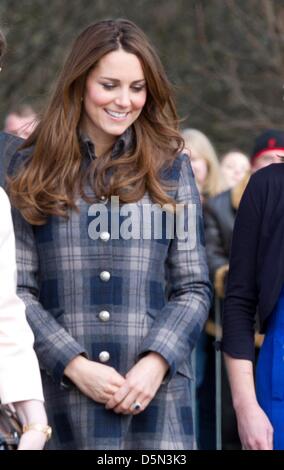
pixel 123 98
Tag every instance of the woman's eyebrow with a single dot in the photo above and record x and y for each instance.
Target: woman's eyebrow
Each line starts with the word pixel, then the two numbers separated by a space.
pixel 110 78
pixel 116 80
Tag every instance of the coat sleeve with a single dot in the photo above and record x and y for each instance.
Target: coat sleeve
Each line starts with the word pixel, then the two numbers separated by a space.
pixel 54 346
pixel 9 145
pixel 178 324
pixel 19 370
pixel 216 253
pixel 242 292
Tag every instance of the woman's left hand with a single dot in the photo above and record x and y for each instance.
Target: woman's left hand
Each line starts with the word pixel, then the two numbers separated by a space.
pixel 31 411
pixel 141 385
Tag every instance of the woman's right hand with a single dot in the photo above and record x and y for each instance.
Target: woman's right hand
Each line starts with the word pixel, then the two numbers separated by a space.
pixel 97 381
pixel 255 429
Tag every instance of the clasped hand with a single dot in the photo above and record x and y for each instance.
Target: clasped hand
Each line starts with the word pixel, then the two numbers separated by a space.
pixel 140 385
pixel 105 385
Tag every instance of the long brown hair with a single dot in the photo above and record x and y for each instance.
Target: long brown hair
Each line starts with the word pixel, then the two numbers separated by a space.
pixel 47 183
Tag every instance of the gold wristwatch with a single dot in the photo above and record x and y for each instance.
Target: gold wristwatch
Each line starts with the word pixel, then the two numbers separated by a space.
pixel 47 430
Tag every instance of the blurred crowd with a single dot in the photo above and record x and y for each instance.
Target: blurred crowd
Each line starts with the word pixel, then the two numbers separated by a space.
pixel 21 121
pixel 221 181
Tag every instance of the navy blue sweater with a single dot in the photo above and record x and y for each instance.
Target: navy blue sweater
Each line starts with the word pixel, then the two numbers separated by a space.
pixel 256 271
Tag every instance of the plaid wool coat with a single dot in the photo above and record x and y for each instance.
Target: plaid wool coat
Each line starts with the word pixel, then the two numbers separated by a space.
pixel 157 298
pixel 8 147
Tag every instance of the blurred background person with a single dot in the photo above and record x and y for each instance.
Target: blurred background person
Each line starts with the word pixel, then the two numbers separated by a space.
pixel 268 148
pixel 219 219
pixel 220 211
pixel 234 166
pixel 204 163
pixel 21 121
pixel 207 174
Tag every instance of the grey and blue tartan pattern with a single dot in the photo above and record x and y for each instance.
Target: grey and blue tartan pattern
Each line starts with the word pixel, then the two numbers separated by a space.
pixel 158 298
pixel 8 146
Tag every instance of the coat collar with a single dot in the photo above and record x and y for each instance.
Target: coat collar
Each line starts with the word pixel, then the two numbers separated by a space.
pixel 122 144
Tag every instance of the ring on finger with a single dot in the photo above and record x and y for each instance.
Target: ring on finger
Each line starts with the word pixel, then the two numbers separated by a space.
pixel 136 406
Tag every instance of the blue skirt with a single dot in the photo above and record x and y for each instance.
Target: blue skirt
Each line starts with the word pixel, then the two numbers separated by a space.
pixel 270 373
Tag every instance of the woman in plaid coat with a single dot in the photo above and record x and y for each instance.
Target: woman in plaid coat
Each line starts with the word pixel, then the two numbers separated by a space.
pixel 110 249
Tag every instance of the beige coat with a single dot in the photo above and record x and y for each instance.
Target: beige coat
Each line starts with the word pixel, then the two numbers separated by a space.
pixel 19 370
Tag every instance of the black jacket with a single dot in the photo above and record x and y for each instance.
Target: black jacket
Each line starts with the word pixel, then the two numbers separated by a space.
pixel 219 219
pixel 256 271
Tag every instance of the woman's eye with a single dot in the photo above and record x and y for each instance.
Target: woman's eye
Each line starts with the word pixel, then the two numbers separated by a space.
pixel 108 86
pixel 136 89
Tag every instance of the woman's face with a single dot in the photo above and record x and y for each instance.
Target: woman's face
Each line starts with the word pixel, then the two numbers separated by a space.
pixel 234 167
pixel 114 96
pixel 199 167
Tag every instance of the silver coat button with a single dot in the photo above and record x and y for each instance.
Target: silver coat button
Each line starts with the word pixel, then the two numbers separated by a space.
pixel 105 236
pixel 105 276
pixel 104 315
pixel 104 356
